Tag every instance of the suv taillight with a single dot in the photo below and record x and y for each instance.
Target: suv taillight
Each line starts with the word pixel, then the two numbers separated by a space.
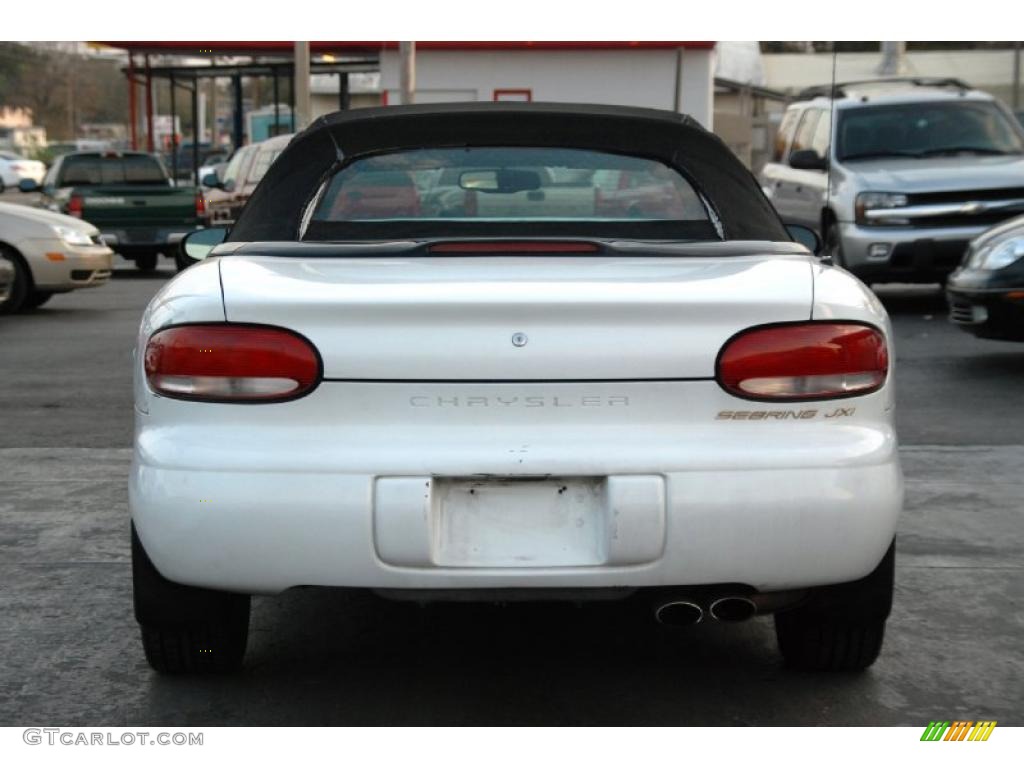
pixel 75 206
pixel 804 361
pixel 200 205
pixel 225 362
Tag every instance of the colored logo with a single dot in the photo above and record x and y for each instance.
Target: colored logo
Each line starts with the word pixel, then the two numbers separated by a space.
pixel 958 730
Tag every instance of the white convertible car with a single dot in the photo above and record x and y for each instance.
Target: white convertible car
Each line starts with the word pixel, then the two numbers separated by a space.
pixel 514 351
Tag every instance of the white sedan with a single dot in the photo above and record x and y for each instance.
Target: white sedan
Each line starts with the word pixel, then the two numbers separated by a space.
pixel 14 168
pixel 602 370
pixel 48 253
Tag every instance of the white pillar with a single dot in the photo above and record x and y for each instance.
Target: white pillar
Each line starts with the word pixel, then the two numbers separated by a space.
pixel 199 120
pixel 407 71
pixel 893 58
pixel 303 104
pixel 695 75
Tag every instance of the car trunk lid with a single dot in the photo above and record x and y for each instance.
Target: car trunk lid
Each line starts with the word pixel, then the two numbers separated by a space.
pixel 627 314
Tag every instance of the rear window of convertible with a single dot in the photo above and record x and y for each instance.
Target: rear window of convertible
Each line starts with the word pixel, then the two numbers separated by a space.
pixel 508 191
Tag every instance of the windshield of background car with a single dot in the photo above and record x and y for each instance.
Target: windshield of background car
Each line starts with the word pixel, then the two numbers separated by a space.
pixel 85 170
pixel 926 129
pixel 262 163
pixel 513 190
pixel 234 170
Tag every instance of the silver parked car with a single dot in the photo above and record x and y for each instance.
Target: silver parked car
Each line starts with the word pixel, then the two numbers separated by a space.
pixel 43 253
pixel 919 167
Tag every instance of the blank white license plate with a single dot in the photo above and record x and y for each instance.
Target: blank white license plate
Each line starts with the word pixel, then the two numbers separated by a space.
pixel 504 523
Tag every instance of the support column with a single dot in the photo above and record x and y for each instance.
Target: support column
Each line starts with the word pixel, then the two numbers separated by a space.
pixel 303 100
pixel 677 97
pixel 133 117
pixel 344 97
pixel 174 133
pixel 1016 76
pixel 196 122
pixel 149 107
pixel 291 100
pixel 696 92
pixel 237 122
pixel 214 135
pixel 277 105
pixel 407 73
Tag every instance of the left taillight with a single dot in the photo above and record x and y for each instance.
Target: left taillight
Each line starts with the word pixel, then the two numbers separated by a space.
pixel 200 205
pixel 222 362
pixel 804 361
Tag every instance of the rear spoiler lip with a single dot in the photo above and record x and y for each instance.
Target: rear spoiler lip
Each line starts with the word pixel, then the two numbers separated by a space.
pixel 443 248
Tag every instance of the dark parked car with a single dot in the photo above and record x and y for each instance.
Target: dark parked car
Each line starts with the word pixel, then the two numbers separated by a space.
pixel 986 294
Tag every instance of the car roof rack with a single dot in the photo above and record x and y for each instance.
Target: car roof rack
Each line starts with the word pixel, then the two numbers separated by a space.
pixel 839 90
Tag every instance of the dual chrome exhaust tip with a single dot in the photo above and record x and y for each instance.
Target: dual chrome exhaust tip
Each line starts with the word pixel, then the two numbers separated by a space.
pixel 681 613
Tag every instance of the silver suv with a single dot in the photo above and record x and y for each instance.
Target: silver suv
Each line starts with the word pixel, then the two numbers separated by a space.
pixel 918 168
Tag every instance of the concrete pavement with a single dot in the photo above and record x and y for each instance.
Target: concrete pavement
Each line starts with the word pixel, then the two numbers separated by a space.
pixel 71 652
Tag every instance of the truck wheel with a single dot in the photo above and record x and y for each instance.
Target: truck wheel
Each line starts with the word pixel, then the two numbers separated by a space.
pixel 20 288
pixel 146 262
pixel 840 628
pixel 833 245
pixel 37 299
pixel 186 629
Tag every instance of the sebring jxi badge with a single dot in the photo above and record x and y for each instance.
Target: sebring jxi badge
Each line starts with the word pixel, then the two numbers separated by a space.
pixel 805 413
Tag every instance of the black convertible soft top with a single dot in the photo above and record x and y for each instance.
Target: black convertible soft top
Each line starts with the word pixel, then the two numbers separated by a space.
pixel 276 208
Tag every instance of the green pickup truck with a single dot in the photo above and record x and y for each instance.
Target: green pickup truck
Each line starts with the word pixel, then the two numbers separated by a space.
pixel 128 196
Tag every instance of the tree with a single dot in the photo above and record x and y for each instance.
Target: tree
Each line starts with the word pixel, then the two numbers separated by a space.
pixel 62 87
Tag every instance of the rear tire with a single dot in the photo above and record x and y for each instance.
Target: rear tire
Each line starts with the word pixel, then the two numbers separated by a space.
pixel 146 262
pixel 187 629
pixel 22 285
pixel 37 299
pixel 840 628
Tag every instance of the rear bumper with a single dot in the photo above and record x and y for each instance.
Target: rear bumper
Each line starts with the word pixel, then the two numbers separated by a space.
pixel 266 533
pixel 256 510
pixel 131 240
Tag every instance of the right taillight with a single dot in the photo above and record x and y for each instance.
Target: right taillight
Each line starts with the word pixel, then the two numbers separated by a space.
pixel 804 361
pixel 75 206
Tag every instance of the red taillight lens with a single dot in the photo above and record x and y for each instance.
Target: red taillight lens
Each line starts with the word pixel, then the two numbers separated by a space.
pixel 75 206
pixel 804 361
pixel 236 363
pixel 200 205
